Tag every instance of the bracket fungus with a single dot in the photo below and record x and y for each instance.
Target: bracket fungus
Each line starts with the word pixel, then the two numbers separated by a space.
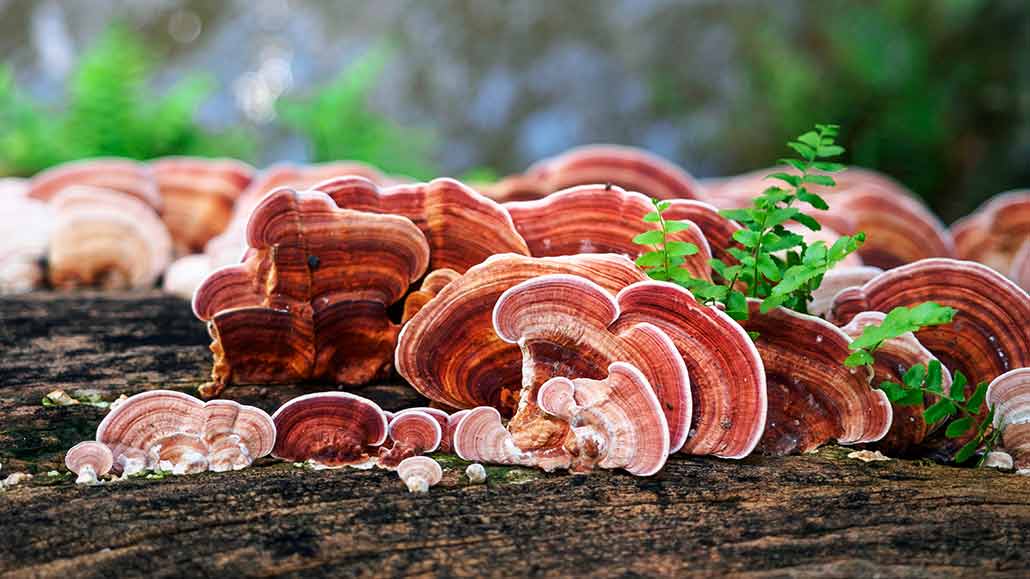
pixel 419 473
pixel 432 284
pixel 462 226
pixel 122 175
pixel 835 281
pixel 615 422
pixel 226 247
pixel 89 460
pixel 168 430
pixel 892 359
pixel 989 335
pixel 1009 395
pixel 565 327
pixel 628 167
pixel 105 238
pixel 566 223
pixel 727 378
pixel 411 432
pixel 198 196
pixel 899 229
pixel 996 231
pixel 25 227
pixel 310 299
pixel 330 428
pixel 813 397
pixel 449 351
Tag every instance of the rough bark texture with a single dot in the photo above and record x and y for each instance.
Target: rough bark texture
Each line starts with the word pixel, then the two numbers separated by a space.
pixel 816 515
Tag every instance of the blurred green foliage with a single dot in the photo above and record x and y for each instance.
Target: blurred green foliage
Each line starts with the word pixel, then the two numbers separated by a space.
pixel 111 111
pixel 338 123
pixel 920 87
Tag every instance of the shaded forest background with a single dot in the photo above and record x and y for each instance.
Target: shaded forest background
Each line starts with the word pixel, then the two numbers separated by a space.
pixel 933 92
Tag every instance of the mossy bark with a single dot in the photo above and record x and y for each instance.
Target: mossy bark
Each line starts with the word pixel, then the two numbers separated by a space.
pixel 815 515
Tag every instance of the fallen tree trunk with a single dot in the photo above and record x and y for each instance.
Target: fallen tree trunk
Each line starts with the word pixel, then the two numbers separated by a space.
pixel 815 515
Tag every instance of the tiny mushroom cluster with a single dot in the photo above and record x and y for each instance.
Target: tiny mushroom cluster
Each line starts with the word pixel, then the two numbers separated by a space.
pixel 519 313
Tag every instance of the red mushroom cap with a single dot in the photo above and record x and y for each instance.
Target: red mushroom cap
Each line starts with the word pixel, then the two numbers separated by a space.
pixel 462 226
pixel 432 284
pixel 95 455
pixel 311 299
pixel 990 334
pixel 835 281
pixel 107 238
pixel 123 175
pixel 892 359
pixel 411 432
pixel 1009 395
pixel 449 351
pixel 163 425
pixel 198 195
pixel 813 397
pixel 332 428
pixel 565 326
pixel 565 223
pixel 727 378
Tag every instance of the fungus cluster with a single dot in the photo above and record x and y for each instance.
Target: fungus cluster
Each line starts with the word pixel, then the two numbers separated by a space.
pixel 164 430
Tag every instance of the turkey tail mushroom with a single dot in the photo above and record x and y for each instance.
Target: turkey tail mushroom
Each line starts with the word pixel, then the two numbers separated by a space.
pixel 565 223
pixel 1009 395
pixel 463 227
pixel 995 233
pixel 449 351
pixel 310 300
pixel 132 178
pixel 89 460
pixel 565 326
pixel 628 167
pixel 813 397
pixel 105 238
pixel 411 432
pixel 199 195
pixel 330 428
pixel 727 378
pixel 162 428
pixel 989 335
pixel 893 358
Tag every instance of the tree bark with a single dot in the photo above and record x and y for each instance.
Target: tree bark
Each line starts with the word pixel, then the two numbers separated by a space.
pixel 816 515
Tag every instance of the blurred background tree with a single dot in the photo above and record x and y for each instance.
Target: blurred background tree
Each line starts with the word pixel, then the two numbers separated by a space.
pixel 933 92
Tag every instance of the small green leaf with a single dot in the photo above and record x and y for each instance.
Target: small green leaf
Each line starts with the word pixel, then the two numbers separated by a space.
pixel 893 390
pixel 808 221
pixel 912 397
pixel 804 150
pixel 813 199
pixel 736 214
pixel 753 335
pixel 859 358
pixel 663 206
pixel 824 180
pixel 959 427
pixel 746 237
pixel 939 410
pixel 977 399
pixel 913 378
pixel 768 267
pixel 678 248
pixel 828 167
pixel 651 259
pixel 967 451
pixel 653 217
pixel 674 226
pixel 653 237
pixel 799 165
pixel 792 180
pixel 959 382
pixel 736 305
pixel 934 377
pixel 830 150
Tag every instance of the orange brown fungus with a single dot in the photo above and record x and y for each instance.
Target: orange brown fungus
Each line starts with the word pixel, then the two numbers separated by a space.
pixel 597 219
pixel 996 233
pixel 463 227
pixel 310 300
pixel 631 168
pixel 892 359
pixel 449 350
pixel 123 175
pixel 199 195
pixel 813 398
pixel 989 335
